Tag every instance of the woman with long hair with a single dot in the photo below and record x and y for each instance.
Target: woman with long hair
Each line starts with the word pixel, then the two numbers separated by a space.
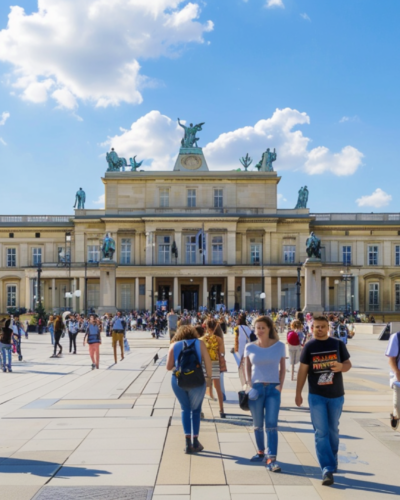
pixel 58 330
pixel 265 372
pixel 50 326
pixel 189 399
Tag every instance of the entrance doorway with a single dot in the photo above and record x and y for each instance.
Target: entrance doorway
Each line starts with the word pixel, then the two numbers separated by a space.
pixel 190 297
pixel 216 296
pixel 163 297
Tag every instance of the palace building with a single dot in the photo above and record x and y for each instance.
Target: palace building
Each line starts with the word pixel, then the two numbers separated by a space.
pixel 156 220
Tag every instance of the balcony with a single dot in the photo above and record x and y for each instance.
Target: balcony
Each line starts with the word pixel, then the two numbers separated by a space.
pixel 356 217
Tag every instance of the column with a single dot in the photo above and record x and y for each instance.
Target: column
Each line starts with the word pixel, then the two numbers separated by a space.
pixel 136 304
pixel 149 248
pixel 279 291
pixel 53 294
pixel 243 294
pixel 231 292
pixel 268 292
pixel 231 241
pixel 136 257
pixel 205 292
pixel 327 294
pixel 356 301
pixel 244 248
pixel 176 293
pixel 267 249
pixel 178 242
pixel 73 289
pixel 148 292
pixel 28 288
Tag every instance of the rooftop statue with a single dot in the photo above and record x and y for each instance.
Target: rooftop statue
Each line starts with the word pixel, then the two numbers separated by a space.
pixel 115 162
pixel 265 164
pixel 246 161
pixel 108 247
pixel 134 164
pixel 313 246
pixel 189 139
pixel 303 198
pixel 80 199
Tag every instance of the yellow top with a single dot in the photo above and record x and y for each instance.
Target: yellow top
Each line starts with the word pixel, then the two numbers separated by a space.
pixel 211 344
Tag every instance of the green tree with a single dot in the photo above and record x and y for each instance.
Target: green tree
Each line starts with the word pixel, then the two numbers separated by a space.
pixel 41 314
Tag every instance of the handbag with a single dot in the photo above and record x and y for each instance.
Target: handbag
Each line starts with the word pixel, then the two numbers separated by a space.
pixel 243 400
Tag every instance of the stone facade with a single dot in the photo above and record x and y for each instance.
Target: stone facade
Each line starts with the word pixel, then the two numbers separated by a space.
pixel 150 213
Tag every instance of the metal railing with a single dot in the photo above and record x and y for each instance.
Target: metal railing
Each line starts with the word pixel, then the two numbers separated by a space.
pixel 356 217
pixel 35 218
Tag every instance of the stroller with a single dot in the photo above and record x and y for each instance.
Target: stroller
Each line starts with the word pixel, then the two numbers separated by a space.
pixel 16 349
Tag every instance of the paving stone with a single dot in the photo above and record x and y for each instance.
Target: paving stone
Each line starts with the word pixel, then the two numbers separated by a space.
pixel 90 493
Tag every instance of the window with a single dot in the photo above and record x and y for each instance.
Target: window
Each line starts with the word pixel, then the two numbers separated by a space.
pixel 191 198
pixel 289 254
pixel 216 250
pixel 164 197
pixel 255 253
pixel 11 296
pixel 164 250
pixel 126 247
pixel 61 255
pixel 373 255
pixel 126 297
pixel 346 253
pixel 373 297
pixel 11 257
pixel 93 253
pixel 218 198
pixel 93 295
pixel 397 255
pixel 191 250
pixel 397 297
pixel 36 256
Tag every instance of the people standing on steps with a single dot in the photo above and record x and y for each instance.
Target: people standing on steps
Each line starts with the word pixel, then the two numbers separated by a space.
pixel 73 330
pixel 118 326
pixel 189 399
pixel 93 336
pixel 265 372
pixel 323 360
pixel 6 347
pixel 58 331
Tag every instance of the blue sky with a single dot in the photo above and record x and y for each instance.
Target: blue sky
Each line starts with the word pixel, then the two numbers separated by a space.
pixel 317 80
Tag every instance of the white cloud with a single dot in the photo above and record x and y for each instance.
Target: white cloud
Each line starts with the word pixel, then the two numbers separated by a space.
pixel 305 16
pixel 345 119
pixel 377 199
pixel 321 160
pixel 101 201
pixel 275 3
pixel 281 198
pixel 2 141
pixel 89 50
pixel 4 117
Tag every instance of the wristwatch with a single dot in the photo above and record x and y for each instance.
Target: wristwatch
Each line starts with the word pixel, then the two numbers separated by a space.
pixel 222 354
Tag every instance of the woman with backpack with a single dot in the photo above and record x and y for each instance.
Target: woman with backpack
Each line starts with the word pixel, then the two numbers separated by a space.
pixel 265 372
pixel 93 336
pixel 294 340
pixel 185 357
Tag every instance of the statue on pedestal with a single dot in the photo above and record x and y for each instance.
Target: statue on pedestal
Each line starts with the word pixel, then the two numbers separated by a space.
pixel 303 198
pixel 134 164
pixel 80 199
pixel 313 246
pixel 115 162
pixel 108 247
pixel 189 139
pixel 265 164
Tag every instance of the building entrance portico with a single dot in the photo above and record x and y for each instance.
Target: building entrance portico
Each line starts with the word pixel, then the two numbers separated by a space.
pixel 190 297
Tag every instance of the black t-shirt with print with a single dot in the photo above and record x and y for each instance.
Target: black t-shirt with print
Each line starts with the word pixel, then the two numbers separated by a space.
pixel 318 355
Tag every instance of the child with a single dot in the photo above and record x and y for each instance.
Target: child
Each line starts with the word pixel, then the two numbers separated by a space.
pixel 294 339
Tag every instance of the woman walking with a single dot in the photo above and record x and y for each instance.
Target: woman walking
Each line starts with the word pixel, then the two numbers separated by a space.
pixel 190 399
pixel 58 330
pixel 93 336
pixel 6 346
pixel 265 371
pixel 50 326
pixel 214 342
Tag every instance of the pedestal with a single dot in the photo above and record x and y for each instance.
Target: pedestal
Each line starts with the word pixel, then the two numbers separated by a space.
pixel 108 272
pixel 191 159
pixel 313 286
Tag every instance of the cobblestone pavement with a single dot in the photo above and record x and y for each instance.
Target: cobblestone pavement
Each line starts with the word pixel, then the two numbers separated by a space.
pixel 115 433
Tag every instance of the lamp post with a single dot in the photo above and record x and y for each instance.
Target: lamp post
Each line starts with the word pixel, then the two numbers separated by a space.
pixel 346 276
pixel 298 287
pixel 262 294
pixel 38 292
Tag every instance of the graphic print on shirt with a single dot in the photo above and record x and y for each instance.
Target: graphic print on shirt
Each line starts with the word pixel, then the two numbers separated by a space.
pixel 321 363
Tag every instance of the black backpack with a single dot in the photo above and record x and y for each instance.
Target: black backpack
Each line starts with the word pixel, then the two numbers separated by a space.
pixel 189 371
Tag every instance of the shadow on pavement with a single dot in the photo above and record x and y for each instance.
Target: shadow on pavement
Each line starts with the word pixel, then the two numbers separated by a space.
pixel 46 469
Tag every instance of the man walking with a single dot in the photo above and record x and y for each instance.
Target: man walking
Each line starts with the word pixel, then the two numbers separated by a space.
pixel 172 320
pixel 324 359
pixel 118 332
pixel 393 353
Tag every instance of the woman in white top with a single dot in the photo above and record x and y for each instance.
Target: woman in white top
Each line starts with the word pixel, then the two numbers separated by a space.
pixel 265 372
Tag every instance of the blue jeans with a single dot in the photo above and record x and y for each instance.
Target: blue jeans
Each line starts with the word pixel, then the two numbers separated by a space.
pixel 325 414
pixel 6 350
pixel 51 330
pixel 190 401
pixel 266 408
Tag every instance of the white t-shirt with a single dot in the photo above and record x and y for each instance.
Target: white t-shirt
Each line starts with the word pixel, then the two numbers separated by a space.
pixel 265 362
pixel 392 351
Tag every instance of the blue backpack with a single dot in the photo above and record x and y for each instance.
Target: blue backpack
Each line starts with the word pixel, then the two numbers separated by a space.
pixel 189 371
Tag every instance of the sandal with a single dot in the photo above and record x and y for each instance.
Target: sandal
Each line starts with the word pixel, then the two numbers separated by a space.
pixel 394 422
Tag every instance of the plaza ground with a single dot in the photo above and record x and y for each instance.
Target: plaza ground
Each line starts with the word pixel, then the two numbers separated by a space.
pixel 115 433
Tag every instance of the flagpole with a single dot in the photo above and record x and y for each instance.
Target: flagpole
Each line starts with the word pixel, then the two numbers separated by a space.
pixel 203 245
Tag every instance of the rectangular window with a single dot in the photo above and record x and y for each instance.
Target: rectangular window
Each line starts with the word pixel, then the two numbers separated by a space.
pixel 126 248
pixel 191 198
pixel 346 254
pixel 164 197
pixel 11 257
pixel 62 257
pixel 36 256
pixel 93 291
pixel 164 250
pixel 373 297
pixel 289 254
pixel 93 253
pixel 126 297
pixel 11 296
pixel 255 253
pixel 397 297
pixel 397 255
pixel 218 198
pixel 217 250
pixel 373 255
pixel 191 250
pixel 142 289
